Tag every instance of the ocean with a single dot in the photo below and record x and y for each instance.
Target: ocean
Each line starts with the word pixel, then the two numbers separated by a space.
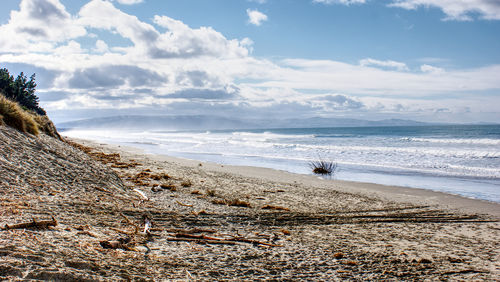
pixel 456 159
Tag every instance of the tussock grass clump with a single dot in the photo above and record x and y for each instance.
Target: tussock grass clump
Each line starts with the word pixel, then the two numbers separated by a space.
pixel 323 167
pixel 46 126
pixel 14 116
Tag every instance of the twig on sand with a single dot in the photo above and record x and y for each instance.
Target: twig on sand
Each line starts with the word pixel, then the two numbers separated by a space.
pixel 130 222
pixel 32 224
pixel 184 205
pixel 202 241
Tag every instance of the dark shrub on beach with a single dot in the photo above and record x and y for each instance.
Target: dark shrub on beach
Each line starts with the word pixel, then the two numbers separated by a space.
pixel 323 167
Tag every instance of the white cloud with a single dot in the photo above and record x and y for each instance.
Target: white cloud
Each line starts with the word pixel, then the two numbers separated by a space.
pixel 255 17
pixel 38 26
pixel 431 69
pixel 183 41
pixel 387 64
pixel 101 47
pixel 258 1
pixel 171 66
pixel 456 9
pixel 462 10
pixel 129 2
pixel 343 2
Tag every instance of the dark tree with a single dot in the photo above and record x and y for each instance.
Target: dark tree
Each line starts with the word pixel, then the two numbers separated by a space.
pixel 20 90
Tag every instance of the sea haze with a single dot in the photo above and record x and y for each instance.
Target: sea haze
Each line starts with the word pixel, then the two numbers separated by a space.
pixel 457 159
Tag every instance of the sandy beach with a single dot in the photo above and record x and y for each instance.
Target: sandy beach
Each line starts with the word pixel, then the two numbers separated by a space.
pixel 214 222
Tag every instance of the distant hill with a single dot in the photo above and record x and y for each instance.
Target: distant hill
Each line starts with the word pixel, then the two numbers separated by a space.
pixel 204 122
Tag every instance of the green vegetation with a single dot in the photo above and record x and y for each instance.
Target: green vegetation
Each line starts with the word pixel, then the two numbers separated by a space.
pixel 20 90
pixel 19 106
pixel 14 116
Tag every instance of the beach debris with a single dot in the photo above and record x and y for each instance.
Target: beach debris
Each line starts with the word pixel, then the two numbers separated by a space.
pixel 136 228
pixel 278 208
pixel 120 243
pixel 424 260
pixel 338 255
pixel 86 232
pixel 168 186
pixel 286 232
pixel 196 192
pixel 147 223
pixel 184 205
pixel 160 176
pixel 156 189
pixel 234 202
pixel 191 231
pixel 203 239
pixel 42 224
pixel 142 194
pixel 455 260
pixel 201 212
pixel 211 193
pixel 186 183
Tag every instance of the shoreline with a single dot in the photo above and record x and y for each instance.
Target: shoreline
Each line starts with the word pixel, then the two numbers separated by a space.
pixel 120 214
pixel 400 194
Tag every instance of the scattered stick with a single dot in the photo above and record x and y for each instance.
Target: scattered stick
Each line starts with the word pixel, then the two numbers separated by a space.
pixel 201 241
pixel 277 208
pixel 123 231
pixel 33 224
pixel 184 205
pixel 202 237
pixel 88 233
pixel 191 231
pixel 130 222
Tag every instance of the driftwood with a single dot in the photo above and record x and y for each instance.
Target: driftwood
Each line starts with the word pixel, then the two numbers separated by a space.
pixel 121 243
pixel 203 238
pixel 202 241
pixel 191 231
pixel 184 205
pixel 33 224
pixel 131 223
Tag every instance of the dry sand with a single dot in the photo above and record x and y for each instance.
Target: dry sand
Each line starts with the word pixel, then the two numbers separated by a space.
pixel 285 226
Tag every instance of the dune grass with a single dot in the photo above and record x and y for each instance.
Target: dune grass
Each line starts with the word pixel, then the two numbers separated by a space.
pixel 14 116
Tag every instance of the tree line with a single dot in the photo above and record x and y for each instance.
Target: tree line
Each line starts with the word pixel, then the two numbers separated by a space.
pixel 20 90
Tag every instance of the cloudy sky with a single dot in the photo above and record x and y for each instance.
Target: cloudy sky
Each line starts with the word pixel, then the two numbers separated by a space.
pixel 426 60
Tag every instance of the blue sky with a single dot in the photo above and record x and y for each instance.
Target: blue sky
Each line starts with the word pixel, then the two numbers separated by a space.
pixel 414 59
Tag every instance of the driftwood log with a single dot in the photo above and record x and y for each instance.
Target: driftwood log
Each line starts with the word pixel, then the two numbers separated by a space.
pixel 32 224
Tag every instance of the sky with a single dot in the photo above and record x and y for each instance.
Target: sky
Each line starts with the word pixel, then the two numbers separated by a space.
pixel 425 60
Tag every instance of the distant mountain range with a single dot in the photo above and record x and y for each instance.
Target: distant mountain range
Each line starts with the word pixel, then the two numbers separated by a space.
pixel 204 122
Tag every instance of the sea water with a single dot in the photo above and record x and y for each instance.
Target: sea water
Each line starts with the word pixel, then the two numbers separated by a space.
pixel 458 159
